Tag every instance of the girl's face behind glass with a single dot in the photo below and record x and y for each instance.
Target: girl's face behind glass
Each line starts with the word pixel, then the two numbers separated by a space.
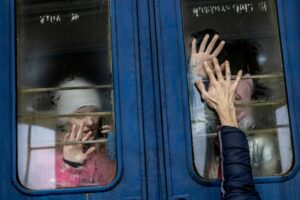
pixel 89 122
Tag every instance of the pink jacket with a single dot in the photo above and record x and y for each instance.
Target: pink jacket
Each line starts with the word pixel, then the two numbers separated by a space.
pixel 98 170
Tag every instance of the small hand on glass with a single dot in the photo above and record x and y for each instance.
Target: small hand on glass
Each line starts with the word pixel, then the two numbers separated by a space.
pixel 204 54
pixel 105 129
pixel 74 152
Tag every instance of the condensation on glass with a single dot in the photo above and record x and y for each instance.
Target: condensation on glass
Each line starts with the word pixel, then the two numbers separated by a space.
pixel 250 31
pixel 65 105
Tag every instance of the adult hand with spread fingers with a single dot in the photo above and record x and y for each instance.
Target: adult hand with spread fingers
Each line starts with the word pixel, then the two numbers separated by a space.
pixel 205 53
pixel 236 168
pixel 221 92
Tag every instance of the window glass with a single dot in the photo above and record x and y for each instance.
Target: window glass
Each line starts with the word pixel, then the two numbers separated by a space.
pixel 65 105
pixel 250 31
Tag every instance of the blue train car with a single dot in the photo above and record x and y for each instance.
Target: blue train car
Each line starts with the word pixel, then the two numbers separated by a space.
pixel 113 81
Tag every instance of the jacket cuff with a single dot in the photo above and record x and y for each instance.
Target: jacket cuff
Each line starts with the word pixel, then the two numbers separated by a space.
pixel 71 169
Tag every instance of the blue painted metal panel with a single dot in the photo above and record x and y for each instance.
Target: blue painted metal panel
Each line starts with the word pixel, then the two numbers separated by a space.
pixel 174 111
pixel 130 180
pixel 5 105
pixel 151 105
pixel 181 176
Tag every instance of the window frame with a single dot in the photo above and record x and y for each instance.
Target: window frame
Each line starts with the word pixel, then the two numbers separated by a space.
pixel 289 86
pixel 116 109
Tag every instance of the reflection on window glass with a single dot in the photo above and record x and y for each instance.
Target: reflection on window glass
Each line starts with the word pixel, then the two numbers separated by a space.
pixel 66 134
pixel 250 32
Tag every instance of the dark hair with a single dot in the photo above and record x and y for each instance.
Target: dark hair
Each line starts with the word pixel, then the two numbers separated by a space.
pixel 244 54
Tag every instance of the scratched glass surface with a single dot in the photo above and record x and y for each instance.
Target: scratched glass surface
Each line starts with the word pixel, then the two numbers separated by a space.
pixel 252 43
pixel 65 104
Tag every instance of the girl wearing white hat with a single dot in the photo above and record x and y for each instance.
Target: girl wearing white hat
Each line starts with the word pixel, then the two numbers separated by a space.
pixel 78 164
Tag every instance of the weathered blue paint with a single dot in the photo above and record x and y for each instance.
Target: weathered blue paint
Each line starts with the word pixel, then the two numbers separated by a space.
pixel 182 180
pixel 151 107
pixel 130 181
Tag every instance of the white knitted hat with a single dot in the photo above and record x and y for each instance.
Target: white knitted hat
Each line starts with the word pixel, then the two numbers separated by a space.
pixel 68 101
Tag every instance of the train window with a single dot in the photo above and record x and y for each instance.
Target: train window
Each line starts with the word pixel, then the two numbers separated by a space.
pixel 65 104
pixel 250 31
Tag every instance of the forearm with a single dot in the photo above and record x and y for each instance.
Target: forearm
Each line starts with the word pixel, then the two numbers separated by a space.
pixel 236 167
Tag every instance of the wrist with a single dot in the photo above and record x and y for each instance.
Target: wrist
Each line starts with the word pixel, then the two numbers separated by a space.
pixel 73 159
pixel 73 164
pixel 228 117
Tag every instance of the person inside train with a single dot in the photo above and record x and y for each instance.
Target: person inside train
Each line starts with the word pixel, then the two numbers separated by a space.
pixel 248 55
pixel 204 120
pixel 243 54
pixel 237 180
pixel 57 158
pixel 82 164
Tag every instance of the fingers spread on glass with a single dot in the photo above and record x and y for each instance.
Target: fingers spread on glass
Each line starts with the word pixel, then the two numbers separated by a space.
pixel 79 132
pixel 218 70
pixel 106 129
pixel 209 73
pixel 73 133
pixel 194 46
pixel 89 151
pixel 218 50
pixel 203 43
pixel 237 80
pixel 85 138
pixel 73 148
pixel 204 54
pixel 227 71
pixel 211 45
